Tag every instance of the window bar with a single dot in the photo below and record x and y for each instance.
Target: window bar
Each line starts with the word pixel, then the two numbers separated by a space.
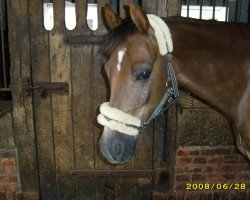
pixel 226 3
pixel 188 4
pixel 2 6
pixel 214 4
pixel 201 4
pixel 238 11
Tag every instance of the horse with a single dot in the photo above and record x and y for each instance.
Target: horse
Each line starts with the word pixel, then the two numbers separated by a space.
pixel 210 59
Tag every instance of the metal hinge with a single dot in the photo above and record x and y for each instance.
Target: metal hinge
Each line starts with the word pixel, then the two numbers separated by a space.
pixel 47 87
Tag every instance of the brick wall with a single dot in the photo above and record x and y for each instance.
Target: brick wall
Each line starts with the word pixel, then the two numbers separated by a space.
pixel 8 171
pixel 213 166
pixel 9 180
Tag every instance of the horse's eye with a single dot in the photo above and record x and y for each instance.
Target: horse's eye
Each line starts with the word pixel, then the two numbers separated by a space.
pixel 143 75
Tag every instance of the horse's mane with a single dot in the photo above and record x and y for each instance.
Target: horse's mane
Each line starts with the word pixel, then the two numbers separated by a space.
pixel 120 34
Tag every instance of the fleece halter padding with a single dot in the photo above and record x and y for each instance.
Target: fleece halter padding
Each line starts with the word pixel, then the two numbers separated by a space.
pixel 123 122
pixel 162 34
pixel 118 120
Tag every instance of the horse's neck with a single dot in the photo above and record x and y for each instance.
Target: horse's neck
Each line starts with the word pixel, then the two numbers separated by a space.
pixel 203 69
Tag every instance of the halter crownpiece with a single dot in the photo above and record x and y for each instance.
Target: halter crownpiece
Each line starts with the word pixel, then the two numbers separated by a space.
pixel 162 34
pixel 128 124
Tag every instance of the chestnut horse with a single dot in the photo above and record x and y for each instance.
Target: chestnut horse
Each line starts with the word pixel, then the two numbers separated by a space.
pixel 210 60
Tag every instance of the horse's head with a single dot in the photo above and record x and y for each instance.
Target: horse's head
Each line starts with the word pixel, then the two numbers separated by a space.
pixel 135 69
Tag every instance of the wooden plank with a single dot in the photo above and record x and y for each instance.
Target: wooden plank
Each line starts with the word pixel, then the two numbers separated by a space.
pixel 174 8
pixel 104 188
pixel 143 161
pixel 61 104
pixel 162 8
pixel 22 105
pixel 149 7
pixel 81 70
pixel 42 106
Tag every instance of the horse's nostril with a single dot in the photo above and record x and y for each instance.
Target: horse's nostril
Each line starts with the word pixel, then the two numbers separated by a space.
pixel 117 150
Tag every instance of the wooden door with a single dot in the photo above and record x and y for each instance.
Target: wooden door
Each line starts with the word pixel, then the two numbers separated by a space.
pixel 61 132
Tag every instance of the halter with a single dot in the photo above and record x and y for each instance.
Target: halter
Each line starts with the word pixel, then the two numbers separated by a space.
pixel 125 123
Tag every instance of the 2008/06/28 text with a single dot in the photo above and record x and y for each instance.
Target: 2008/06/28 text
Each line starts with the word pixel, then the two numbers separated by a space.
pixel 216 186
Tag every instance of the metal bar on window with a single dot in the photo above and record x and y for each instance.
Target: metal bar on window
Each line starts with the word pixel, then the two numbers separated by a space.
pixel 201 4
pixel 226 3
pixel 214 5
pixel 238 11
pixel 188 4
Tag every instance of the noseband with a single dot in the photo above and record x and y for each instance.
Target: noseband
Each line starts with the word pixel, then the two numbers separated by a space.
pixel 125 123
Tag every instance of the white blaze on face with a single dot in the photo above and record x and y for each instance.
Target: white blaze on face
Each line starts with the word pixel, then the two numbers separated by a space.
pixel 120 57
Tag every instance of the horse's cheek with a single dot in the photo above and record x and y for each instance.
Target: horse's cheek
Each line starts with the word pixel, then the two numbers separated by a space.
pixel 144 97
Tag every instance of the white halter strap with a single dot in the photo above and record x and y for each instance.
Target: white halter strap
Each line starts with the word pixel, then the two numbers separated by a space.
pixel 118 120
pixel 162 34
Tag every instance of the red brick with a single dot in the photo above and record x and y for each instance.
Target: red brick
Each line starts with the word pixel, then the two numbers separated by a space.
pixel 179 169
pixel 8 162
pixel 242 159
pixel 183 160
pixel 241 195
pixel 213 176
pixel 10 170
pixel 160 197
pixel 248 194
pixel 208 196
pixel 235 150
pixel 179 195
pixel 224 195
pixel 19 196
pixel 189 196
pixel 192 168
pixel 198 177
pixel 10 195
pixel 182 178
pixel 7 154
pixel 8 179
pixel 215 159
pixel 8 187
pixel 181 186
pixel 247 167
pixel 229 168
pixel 228 176
pixel 2 195
pixel 208 168
pixel 31 196
pixel 217 151
pixel 232 196
pixel 244 176
pixel 200 160
pixel 2 170
pixel 198 196
pixel 216 196
pixel 188 151
pixel 230 159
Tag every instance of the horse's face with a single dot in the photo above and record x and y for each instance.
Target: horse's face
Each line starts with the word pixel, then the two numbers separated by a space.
pixel 136 82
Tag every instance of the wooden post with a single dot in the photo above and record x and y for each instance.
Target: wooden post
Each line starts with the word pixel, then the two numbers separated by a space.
pixel 173 8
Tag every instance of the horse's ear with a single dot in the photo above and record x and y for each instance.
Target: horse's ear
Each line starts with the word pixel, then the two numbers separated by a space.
pixel 139 17
pixel 111 18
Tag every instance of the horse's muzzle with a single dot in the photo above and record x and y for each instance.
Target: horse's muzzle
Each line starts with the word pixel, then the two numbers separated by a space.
pixel 117 147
